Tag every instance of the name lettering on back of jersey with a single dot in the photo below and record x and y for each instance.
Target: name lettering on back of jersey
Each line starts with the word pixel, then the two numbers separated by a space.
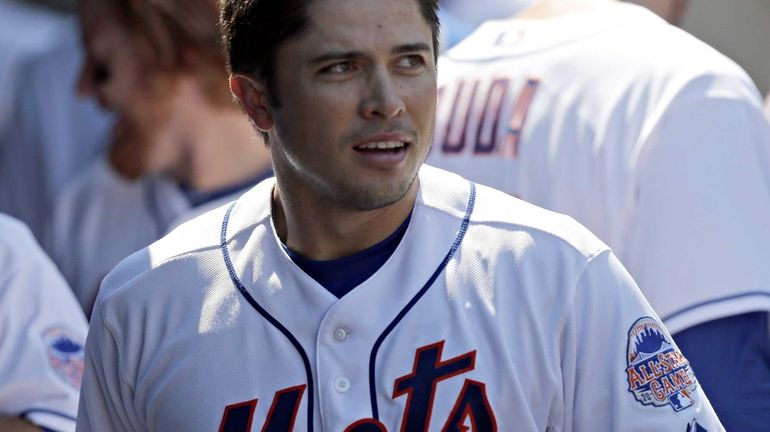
pixel 477 112
pixel 658 374
pixel 471 410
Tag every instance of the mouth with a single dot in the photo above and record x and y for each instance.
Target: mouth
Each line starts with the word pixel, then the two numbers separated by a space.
pixel 382 146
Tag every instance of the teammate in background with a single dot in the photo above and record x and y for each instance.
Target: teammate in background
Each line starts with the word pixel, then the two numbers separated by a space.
pixel 358 292
pixel 43 330
pixel 181 144
pixel 653 140
pixel 671 10
pixel 459 18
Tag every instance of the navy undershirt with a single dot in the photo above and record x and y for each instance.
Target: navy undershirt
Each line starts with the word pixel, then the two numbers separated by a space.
pixel 737 343
pixel 197 198
pixel 341 275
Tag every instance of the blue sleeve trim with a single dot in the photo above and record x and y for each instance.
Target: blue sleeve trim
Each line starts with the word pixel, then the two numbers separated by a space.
pixel 417 297
pixel 710 302
pixel 26 413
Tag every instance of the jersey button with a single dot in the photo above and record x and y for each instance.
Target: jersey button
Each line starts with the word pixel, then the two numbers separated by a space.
pixel 342 384
pixel 340 334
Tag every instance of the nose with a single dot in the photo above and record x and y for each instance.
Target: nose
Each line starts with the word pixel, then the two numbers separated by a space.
pixel 382 99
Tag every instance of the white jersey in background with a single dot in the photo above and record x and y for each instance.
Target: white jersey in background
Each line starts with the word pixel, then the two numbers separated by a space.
pixel 42 331
pixel 102 218
pixel 491 313
pixel 652 139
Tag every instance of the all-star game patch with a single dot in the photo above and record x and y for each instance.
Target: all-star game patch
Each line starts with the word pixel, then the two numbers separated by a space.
pixel 658 374
pixel 65 355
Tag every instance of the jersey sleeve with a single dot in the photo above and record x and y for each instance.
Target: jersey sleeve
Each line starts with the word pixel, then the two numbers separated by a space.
pixel 43 331
pixel 699 234
pixel 622 370
pixel 106 398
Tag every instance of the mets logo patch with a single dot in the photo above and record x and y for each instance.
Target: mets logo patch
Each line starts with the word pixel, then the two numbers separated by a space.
pixel 658 374
pixel 65 355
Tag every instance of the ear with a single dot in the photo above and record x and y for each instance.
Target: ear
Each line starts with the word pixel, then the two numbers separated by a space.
pixel 253 98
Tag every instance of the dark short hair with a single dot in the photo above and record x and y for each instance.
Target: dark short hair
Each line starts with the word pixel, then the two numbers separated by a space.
pixel 253 30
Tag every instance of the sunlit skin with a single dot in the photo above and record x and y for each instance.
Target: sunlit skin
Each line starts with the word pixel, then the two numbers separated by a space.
pixel 362 73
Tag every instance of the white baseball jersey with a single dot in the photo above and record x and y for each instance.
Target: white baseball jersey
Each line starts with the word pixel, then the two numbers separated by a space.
pixel 102 218
pixel 491 314
pixel 648 137
pixel 42 332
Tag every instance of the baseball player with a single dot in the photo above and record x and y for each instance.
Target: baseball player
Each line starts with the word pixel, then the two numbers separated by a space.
pixel 653 140
pixel 179 149
pixel 459 18
pixel 357 291
pixel 42 334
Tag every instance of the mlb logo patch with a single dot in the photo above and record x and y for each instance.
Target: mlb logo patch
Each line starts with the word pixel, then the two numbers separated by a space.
pixel 65 355
pixel 658 374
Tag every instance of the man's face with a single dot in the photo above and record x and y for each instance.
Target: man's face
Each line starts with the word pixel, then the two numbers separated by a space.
pixel 111 70
pixel 115 75
pixel 357 96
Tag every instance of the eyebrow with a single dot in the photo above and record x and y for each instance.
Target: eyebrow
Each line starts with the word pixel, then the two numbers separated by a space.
pixel 352 55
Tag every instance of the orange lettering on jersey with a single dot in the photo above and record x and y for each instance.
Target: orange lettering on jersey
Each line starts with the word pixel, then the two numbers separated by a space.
pixel 663 360
pixel 645 373
pixel 667 386
pixel 634 378
pixel 510 148
pixel 655 368
pixel 657 391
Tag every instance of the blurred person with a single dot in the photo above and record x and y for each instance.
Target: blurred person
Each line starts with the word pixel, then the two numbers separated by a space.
pixel 180 144
pixel 42 331
pixel 461 17
pixel 657 143
pixel 54 134
pixel 670 10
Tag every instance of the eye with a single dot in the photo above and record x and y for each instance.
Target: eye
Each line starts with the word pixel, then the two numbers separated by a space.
pixel 340 68
pixel 411 62
pixel 101 72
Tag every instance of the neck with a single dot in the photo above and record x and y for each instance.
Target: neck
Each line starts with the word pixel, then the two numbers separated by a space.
pixel 220 149
pixel 317 230
pixel 224 151
pixel 544 9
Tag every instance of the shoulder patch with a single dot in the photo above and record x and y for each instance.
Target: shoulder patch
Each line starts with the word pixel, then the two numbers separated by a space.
pixel 658 374
pixel 66 355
